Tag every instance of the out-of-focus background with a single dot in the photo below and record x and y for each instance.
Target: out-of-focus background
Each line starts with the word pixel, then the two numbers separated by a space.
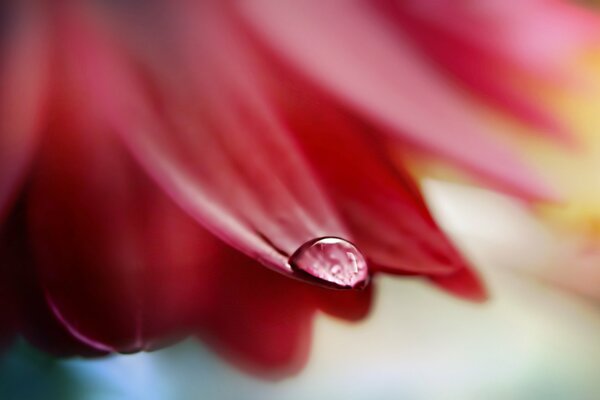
pixel 532 340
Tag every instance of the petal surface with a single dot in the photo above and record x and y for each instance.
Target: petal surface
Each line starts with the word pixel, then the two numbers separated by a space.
pixel 380 202
pixel 263 321
pixel 118 263
pixel 23 75
pixel 32 317
pixel 352 52
pixel 211 139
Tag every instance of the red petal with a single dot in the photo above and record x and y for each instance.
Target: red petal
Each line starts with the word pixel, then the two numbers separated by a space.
pixel 7 290
pixel 263 320
pixel 120 265
pixel 464 283
pixel 31 315
pixel 351 305
pixel 218 150
pixel 381 205
pixel 354 53
pixel 23 72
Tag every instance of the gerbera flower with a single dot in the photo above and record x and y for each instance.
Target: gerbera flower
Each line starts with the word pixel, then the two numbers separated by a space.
pixel 153 156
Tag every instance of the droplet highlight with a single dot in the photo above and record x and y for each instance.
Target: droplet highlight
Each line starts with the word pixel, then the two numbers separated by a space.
pixel 331 261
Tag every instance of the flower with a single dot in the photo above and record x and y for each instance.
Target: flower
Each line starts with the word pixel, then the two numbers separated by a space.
pixel 153 156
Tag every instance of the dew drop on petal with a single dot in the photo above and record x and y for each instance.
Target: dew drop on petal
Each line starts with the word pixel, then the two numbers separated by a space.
pixel 332 261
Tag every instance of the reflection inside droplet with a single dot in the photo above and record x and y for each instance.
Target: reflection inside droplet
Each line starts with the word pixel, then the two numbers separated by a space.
pixel 331 261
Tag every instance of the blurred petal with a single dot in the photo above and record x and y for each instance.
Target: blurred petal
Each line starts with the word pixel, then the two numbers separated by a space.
pixel 23 70
pixel 494 46
pixel 349 50
pixel 539 36
pixel 118 264
pixel 573 227
pixel 31 316
pixel 7 295
pixel 464 283
pixel 263 321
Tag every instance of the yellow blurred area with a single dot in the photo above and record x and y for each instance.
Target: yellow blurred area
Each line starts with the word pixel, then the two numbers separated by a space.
pixel 558 242
pixel 574 172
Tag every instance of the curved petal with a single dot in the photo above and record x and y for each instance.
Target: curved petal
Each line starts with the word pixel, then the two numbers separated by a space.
pixel 7 295
pixel 464 283
pixel 494 46
pixel 23 75
pixel 211 139
pixel 537 36
pixel 118 263
pixel 352 52
pixel 262 321
pixel 380 203
pixel 31 316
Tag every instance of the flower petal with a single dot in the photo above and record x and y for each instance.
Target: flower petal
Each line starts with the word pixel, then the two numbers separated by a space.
pixel 494 46
pixel 118 263
pixel 464 283
pixel 32 317
pixel 537 36
pixel 7 295
pixel 23 73
pixel 380 203
pixel 212 140
pixel 263 320
pixel 349 50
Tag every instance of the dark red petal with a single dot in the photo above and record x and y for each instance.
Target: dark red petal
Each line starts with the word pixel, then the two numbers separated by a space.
pixel 212 140
pixel 118 263
pixel 464 283
pixel 351 305
pixel 263 320
pixel 23 73
pixel 8 311
pixel 31 316
pixel 354 53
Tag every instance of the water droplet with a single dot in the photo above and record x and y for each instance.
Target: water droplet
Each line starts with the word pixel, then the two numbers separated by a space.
pixel 332 261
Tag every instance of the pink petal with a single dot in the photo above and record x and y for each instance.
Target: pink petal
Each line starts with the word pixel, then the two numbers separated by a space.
pixel 211 140
pixel 23 74
pixel 491 46
pixel 538 36
pixel 352 52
